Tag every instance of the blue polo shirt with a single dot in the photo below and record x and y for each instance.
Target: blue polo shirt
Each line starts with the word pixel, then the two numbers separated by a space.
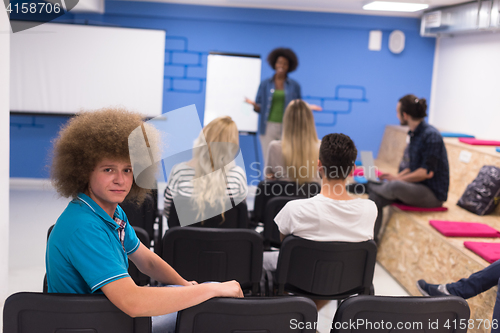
pixel 84 251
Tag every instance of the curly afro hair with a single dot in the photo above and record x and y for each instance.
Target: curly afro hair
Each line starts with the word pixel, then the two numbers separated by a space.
pixel 293 61
pixel 84 141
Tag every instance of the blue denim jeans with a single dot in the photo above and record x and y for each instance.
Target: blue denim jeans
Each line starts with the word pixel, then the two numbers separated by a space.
pixel 165 323
pixel 478 283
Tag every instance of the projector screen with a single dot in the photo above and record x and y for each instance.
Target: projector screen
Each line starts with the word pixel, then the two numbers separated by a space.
pixel 64 68
pixel 231 78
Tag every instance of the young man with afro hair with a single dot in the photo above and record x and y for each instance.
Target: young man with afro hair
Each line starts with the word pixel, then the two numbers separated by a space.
pixel 89 247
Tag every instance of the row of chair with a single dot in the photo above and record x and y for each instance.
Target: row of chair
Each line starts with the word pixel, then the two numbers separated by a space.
pixel 319 270
pixel 322 270
pixel 56 313
pixel 271 197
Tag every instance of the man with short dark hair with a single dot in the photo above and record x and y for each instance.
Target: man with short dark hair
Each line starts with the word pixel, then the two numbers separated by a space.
pixel 332 215
pixel 425 180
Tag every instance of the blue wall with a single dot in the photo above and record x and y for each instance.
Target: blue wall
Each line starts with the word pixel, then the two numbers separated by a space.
pixel 358 88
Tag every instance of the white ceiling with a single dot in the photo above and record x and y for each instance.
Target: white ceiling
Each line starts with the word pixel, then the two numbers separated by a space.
pixel 338 6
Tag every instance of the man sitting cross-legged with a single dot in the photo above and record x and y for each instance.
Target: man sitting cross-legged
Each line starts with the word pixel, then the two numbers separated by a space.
pixel 332 215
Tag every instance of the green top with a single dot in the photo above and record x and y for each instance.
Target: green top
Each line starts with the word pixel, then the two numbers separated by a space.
pixel 277 107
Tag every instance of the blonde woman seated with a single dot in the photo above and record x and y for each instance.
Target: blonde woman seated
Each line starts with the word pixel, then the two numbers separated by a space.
pixel 210 183
pixel 295 156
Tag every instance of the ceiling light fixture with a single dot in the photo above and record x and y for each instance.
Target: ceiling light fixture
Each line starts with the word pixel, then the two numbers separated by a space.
pixel 395 6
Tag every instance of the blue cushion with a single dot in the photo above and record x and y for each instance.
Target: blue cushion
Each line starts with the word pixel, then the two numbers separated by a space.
pixel 498 149
pixel 456 135
pixel 360 179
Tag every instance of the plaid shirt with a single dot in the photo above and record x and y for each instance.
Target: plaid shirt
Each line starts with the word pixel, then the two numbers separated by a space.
pixel 121 231
pixel 427 150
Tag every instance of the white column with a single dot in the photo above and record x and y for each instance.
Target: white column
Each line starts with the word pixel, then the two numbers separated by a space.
pixel 4 152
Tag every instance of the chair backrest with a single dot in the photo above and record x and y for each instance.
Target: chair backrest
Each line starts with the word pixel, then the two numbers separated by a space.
pixel 268 189
pixel 139 278
pixel 328 270
pixel 234 217
pixel 145 216
pixel 249 315
pixel 271 232
pixel 210 254
pixel 62 313
pixel 448 314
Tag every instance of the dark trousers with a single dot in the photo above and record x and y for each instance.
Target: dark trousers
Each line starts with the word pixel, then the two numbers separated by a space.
pixel 413 194
pixel 478 283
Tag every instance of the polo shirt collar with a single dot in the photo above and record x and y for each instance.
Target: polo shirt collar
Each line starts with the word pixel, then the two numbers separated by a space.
pixel 85 199
pixel 420 128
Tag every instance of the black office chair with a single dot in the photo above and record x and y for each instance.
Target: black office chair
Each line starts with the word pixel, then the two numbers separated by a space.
pixel 249 315
pixel 63 313
pixel 268 189
pixel 139 278
pixel 413 314
pixel 209 254
pixel 146 216
pixel 325 270
pixel 234 217
pixel 271 232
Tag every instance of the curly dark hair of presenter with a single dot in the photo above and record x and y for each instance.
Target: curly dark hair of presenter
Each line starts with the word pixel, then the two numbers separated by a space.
pixel 84 141
pixel 293 61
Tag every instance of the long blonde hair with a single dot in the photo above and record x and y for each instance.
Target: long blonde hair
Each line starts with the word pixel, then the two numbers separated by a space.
pixel 219 143
pixel 299 142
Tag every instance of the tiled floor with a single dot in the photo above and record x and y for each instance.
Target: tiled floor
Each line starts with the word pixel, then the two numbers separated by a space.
pixel 33 209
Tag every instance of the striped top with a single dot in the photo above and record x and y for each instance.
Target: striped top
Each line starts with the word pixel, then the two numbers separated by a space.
pixel 180 183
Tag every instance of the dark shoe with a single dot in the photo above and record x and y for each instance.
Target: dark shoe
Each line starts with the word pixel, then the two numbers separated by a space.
pixel 357 188
pixel 428 289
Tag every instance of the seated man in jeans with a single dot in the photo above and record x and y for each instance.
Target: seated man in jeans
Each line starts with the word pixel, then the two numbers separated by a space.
pixel 332 215
pixel 475 284
pixel 425 182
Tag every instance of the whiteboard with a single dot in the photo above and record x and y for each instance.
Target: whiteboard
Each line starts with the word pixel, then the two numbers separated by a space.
pixel 231 78
pixel 64 68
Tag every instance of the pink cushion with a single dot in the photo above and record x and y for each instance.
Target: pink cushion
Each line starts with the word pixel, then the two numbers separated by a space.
pixel 488 251
pixel 419 209
pixel 464 229
pixel 477 142
pixel 361 172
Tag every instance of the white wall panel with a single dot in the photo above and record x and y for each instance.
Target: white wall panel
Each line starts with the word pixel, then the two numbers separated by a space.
pixel 466 85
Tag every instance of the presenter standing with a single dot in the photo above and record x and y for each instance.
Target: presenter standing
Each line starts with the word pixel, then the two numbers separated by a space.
pixel 274 94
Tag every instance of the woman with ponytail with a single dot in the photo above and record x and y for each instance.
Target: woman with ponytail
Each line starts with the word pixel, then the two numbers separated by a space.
pixel 295 156
pixel 425 180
